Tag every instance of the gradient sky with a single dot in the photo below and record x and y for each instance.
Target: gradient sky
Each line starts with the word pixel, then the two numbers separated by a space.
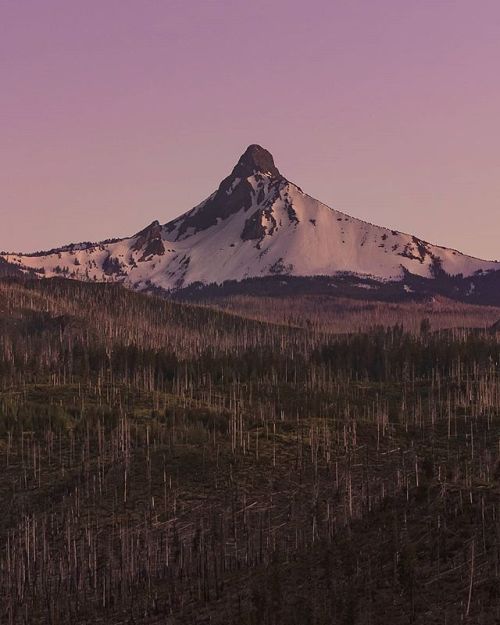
pixel 117 112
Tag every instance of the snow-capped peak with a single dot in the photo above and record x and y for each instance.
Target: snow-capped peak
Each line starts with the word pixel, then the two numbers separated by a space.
pixel 256 224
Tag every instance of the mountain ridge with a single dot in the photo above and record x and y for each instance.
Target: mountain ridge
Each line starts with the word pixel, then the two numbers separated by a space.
pixel 256 224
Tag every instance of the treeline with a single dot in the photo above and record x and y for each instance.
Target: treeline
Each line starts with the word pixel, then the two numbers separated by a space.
pixel 70 330
pixel 392 354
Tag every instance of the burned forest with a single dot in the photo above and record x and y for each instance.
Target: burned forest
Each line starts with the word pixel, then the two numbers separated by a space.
pixel 297 461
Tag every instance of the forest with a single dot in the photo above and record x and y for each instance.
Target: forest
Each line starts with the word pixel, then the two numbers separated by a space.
pixel 248 460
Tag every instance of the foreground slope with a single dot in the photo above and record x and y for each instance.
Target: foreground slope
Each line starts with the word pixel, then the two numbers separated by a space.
pixel 178 465
pixel 257 224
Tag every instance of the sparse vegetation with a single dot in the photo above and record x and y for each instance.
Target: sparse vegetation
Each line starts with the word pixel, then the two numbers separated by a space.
pixel 249 462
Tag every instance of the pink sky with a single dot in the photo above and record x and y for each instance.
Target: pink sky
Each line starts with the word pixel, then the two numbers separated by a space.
pixel 117 112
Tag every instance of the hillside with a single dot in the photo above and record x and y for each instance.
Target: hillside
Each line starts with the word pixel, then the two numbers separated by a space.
pixel 167 462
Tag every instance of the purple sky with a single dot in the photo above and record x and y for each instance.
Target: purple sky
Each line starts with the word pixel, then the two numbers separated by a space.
pixel 117 112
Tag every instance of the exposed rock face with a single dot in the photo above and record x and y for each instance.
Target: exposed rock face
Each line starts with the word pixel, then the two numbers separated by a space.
pixel 150 242
pixel 234 193
pixel 254 228
pixel 255 160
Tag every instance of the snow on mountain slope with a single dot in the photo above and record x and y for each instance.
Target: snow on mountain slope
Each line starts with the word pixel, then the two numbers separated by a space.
pixel 256 224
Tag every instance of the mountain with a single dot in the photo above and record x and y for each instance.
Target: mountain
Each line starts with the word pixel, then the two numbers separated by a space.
pixel 257 224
